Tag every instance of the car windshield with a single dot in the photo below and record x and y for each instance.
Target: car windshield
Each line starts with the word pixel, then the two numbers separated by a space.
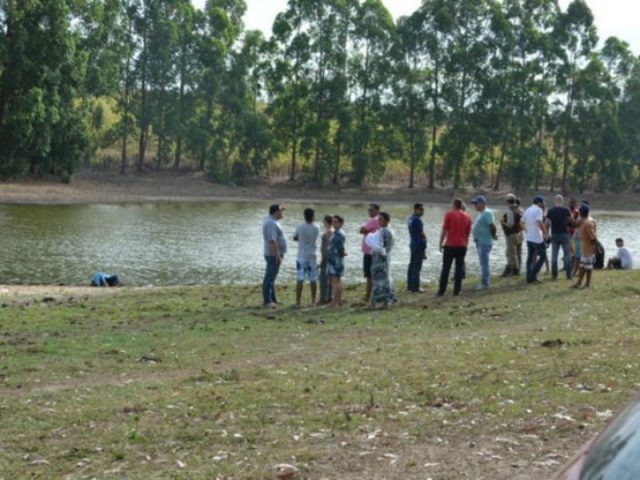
pixel 616 452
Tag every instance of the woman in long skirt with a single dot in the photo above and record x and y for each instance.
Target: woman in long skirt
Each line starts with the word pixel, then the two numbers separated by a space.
pixel 381 243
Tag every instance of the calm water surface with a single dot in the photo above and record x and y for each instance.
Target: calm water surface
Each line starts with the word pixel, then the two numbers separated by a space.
pixel 203 243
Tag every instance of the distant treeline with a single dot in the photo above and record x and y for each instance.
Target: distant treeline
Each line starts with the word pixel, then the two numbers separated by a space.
pixel 481 92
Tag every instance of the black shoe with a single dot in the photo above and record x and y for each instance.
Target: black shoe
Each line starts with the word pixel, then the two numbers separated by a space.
pixel 515 272
pixel 507 271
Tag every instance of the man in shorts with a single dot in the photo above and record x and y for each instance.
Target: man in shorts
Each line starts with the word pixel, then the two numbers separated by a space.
pixel 588 244
pixel 307 263
pixel 370 226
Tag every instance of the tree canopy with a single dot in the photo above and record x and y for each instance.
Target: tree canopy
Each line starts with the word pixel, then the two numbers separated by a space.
pixel 481 92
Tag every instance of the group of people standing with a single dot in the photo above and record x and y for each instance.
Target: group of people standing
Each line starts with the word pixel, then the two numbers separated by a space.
pixel 377 244
pixel 571 229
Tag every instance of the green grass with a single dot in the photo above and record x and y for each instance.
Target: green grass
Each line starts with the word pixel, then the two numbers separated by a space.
pixel 200 383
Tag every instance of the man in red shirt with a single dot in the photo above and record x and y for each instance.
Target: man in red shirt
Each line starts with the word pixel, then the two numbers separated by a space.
pixel 453 243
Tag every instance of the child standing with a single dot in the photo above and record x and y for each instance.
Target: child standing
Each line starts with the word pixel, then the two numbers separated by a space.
pixel 588 245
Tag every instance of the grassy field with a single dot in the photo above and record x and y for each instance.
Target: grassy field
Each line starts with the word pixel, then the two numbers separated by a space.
pixel 200 383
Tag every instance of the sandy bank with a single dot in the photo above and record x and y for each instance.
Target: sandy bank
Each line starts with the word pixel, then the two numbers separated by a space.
pixel 112 188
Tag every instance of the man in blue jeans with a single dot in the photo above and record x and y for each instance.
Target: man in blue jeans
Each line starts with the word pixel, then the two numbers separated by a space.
pixel 418 247
pixel 559 219
pixel 536 233
pixel 485 233
pixel 275 246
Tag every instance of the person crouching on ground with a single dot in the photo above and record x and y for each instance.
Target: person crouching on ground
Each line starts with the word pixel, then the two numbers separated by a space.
pixel 335 260
pixel 622 260
pixel 381 243
pixel 588 244
pixel 307 263
pixel 101 279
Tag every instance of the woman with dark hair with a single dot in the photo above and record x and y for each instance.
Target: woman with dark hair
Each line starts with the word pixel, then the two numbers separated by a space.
pixel 335 260
pixel 325 281
pixel 381 243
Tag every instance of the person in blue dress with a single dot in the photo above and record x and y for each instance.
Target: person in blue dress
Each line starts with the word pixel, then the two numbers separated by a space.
pixel 335 260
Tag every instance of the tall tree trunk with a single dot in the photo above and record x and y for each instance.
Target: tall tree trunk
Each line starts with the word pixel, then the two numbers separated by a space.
pixel 336 166
pixel 144 123
pixel 412 159
pixel 127 106
pixel 208 117
pixel 434 129
pixel 503 153
pixel 567 133
pixel 178 156
pixel 294 157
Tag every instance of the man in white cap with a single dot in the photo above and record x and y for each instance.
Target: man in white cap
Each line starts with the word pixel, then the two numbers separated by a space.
pixel 485 233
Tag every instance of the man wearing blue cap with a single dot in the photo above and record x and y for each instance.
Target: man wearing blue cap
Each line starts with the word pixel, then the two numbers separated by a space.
pixel 485 233
pixel 533 221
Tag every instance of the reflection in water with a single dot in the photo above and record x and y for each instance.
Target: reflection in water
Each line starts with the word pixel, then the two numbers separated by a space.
pixel 203 243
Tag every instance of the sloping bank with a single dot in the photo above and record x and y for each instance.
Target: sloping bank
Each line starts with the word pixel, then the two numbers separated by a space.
pixel 199 382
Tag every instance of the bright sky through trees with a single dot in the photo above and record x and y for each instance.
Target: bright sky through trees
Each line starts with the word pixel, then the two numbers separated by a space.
pixel 613 17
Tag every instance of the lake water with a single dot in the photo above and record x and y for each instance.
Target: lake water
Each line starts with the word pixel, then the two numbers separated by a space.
pixel 204 243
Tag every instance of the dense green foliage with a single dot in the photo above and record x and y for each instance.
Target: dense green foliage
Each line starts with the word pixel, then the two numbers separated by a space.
pixel 481 92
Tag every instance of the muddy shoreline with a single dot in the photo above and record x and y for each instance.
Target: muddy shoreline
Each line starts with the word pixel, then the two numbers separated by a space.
pixel 149 187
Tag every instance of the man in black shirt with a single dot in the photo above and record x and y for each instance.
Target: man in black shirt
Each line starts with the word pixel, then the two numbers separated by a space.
pixel 559 219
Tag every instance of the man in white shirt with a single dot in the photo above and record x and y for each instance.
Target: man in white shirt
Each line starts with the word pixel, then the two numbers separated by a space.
pixel 307 264
pixel 622 260
pixel 533 222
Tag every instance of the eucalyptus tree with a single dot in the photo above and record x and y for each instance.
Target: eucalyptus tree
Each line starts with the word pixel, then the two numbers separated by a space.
pixel 575 37
pixel 252 140
pixel 328 24
pixel 369 73
pixel 614 164
pixel 162 64
pixel 629 114
pixel 410 97
pixel 520 86
pixel 222 27
pixel 466 64
pixel 125 25
pixel 189 24
pixel 42 129
pixel 289 79
pixel 435 21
